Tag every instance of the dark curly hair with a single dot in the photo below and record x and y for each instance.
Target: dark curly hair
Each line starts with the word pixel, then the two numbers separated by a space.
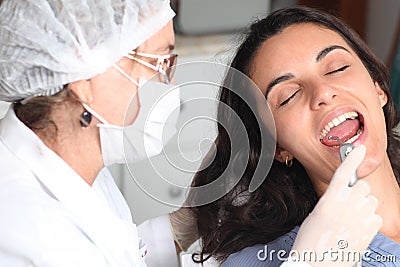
pixel 286 196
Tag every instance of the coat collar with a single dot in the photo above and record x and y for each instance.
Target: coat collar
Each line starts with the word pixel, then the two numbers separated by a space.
pixel 116 238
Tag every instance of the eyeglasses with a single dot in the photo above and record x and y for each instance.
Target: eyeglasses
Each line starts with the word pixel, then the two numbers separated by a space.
pixel 165 64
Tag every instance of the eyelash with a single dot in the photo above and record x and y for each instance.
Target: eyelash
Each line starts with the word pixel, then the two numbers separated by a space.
pixel 338 70
pixel 295 93
pixel 289 98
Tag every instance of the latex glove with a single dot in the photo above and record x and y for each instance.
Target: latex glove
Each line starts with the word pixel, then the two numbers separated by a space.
pixel 184 227
pixel 343 220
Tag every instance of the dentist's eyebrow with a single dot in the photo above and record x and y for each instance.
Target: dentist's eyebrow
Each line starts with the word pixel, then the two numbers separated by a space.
pixel 327 50
pixel 278 80
pixel 169 48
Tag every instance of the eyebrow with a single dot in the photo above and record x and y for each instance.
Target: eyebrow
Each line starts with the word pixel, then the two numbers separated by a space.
pixel 282 78
pixel 170 48
pixel 288 76
pixel 327 50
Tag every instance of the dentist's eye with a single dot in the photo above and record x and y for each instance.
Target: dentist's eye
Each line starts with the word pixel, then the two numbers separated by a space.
pixel 338 70
pixel 289 98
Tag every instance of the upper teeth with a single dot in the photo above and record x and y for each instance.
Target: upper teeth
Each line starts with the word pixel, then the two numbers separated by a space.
pixel 336 121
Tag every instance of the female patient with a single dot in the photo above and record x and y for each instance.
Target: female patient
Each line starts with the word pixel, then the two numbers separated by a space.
pixel 320 80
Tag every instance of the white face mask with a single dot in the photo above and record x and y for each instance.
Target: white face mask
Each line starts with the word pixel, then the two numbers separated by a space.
pixel 152 129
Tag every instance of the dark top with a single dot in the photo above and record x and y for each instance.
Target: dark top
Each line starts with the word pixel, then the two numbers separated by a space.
pixel 382 251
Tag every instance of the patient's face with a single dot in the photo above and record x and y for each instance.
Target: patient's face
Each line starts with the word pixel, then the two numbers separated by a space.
pixel 317 86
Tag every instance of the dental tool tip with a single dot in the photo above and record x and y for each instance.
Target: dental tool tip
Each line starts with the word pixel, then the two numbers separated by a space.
pixel 331 137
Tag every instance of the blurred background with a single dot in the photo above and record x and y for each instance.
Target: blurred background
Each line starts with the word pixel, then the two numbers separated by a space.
pixel 376 21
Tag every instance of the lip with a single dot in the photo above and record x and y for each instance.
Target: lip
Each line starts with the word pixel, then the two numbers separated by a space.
pixel 337 112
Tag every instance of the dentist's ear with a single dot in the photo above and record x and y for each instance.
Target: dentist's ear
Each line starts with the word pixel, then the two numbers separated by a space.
pixel 82 90
pixel 381 94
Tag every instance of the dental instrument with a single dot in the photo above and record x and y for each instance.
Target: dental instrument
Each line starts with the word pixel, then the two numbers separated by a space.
pixel 344 151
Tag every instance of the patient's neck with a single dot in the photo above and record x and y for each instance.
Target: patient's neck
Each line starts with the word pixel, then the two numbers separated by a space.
pixel 386 189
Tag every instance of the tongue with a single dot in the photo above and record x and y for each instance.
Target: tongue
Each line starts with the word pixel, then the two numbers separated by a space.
pixel 344 131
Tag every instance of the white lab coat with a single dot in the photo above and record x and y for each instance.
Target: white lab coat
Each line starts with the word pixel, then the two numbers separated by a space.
pixel 49 216
pixel 157 234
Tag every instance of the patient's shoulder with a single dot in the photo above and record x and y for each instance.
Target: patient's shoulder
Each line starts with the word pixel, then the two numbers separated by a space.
pixel 269 254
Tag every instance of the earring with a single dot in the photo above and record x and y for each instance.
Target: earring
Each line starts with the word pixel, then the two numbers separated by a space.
pixel 288 162
pixel 85 120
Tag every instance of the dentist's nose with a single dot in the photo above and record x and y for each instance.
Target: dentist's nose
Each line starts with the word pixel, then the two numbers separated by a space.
pixel 322 95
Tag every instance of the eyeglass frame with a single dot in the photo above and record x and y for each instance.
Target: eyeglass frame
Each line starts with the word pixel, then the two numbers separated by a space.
pixel 160 65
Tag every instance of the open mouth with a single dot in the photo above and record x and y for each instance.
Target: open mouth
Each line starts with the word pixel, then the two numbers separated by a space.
pixel 348 127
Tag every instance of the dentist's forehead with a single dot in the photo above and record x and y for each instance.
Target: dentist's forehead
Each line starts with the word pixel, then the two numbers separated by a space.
pixel 162 42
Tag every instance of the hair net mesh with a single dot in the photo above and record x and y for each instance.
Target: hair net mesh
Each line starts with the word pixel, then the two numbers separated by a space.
pixel 46 44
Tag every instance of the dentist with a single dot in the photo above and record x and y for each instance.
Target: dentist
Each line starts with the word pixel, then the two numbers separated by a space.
pixel 72 71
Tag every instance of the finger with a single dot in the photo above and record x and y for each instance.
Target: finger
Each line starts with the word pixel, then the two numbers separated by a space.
pixel 370 228
pixel 361 189
pixel 373 224
pixel 364 212
pixel 363 207
pixel 373 202
pixel 344 173
pixel 370 205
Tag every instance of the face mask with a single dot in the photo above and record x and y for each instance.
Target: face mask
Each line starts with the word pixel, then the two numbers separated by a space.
pixel 152 129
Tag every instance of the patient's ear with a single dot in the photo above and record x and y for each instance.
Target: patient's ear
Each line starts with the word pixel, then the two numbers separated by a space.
pixel 383 98
pixel 82 90
pixel 282 155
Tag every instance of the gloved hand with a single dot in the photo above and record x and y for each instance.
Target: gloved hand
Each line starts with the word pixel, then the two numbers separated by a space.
pixel 343 222
pixel 184 227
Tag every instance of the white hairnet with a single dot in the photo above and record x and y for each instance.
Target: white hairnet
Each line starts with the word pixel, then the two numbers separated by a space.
pixel 46 44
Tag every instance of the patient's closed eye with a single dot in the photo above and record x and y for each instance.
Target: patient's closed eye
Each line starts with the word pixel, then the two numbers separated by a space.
pixel 338 70
pixel 291 97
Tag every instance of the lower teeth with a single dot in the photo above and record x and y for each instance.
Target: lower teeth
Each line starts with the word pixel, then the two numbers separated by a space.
pixel 354 138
